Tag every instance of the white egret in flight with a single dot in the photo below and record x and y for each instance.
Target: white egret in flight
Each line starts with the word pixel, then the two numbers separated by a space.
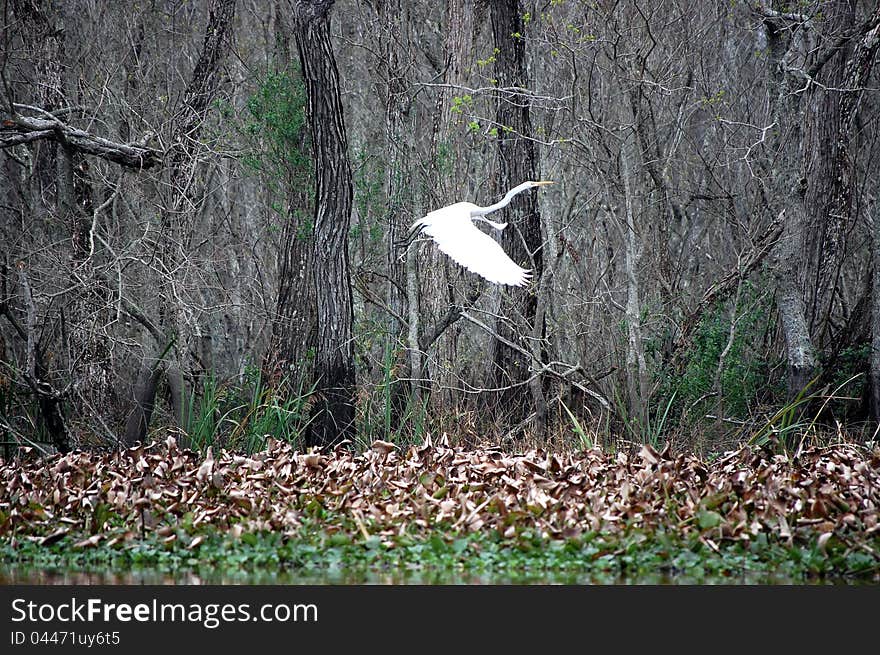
pixel 455 234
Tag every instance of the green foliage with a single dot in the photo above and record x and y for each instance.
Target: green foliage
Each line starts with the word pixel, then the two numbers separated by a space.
pixel 273 127
pixel 370 199
pixel 277 118
pixel 445 556
pixel 744 378
pixel 653 428
pixel 488 60
pixel 786 422
pixel 847 372
pixel 715 99
pixel 460 103
pixel 376 417
pixel 244 416
pixel 445 160
pixel 789 426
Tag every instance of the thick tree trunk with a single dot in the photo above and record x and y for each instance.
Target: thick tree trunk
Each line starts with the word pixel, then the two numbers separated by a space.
pixel 790 302
pixel 44 37
pixel 295 321
pixel 830 170
pixel 827 173
pixel 334 355
pixel 815 203
pixel 144 393
pixel 522 238
pixel 288 362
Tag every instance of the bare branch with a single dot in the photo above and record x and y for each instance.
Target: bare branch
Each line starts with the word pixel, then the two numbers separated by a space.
pixel 727 284
pixel 452 315
pixel 868 28
pixel 25 129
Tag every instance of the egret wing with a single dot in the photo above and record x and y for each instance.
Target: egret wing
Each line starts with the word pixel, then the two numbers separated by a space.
pixel 460 239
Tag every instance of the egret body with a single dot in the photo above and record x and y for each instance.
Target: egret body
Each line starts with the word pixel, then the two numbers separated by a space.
pixel 454 232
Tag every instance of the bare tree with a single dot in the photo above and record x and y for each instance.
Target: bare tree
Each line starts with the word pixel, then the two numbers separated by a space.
pixel 62 187
pixel 180 172
pixel 815 94
pixel 176 210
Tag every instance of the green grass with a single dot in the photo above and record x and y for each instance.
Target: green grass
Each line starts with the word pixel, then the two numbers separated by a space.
pixel 244 416
pixel 447 556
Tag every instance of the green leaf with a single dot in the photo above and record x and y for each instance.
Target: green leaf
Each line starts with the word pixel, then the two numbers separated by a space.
pixel 708 519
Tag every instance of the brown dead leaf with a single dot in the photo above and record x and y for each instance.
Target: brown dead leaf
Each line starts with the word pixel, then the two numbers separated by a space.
pixel 206 468
pixel 54 537
pixel 383 447
pixel 831 490
pixel 89 542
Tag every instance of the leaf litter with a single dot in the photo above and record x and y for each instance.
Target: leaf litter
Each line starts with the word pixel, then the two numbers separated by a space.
pixel 822 496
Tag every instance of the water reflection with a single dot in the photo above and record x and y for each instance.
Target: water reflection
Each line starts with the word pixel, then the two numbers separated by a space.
pixel 26 575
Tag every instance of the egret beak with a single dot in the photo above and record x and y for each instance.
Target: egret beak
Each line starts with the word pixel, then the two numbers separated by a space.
pixel 544 182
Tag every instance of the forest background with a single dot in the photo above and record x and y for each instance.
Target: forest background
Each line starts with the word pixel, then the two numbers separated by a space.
pixel 204 215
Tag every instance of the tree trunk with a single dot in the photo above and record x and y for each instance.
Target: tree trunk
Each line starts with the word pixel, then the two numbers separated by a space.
pixel 293 327
pixel 830 169
pixel 790 302
pixel 144 393
pixel 65 170
pixel 815 202
pixel 334 356
pixel 453 172
pixel 874 364
pixel 636 366
pixel 785 199
pixel 828 189
pixel 288 362
pixel 522 238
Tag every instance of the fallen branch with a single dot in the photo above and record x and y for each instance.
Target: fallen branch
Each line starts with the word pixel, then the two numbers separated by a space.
pixel 17 130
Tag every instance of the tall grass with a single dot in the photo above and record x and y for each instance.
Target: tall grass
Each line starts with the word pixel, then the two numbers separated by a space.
pixel 651 429
pixel 585 441
pixel 790 424
pixel 243 416
pixel 376 416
